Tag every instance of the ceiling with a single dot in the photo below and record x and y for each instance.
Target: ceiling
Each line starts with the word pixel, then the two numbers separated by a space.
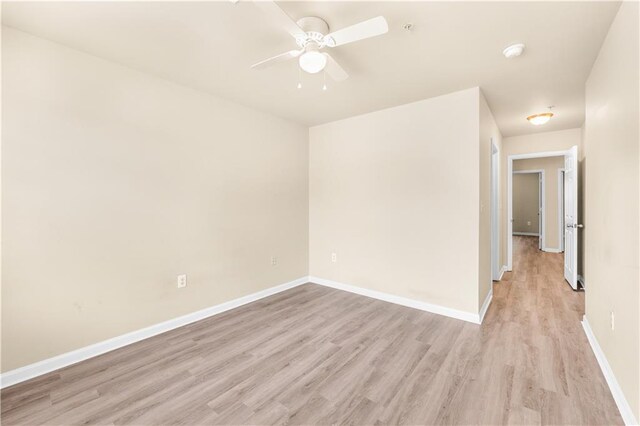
pixel 453 45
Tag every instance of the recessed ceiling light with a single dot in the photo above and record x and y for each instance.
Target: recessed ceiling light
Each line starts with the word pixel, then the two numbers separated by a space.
pixel 539 119
pixel 513 50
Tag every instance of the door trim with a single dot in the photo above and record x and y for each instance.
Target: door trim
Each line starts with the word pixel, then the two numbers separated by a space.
pixel 560 210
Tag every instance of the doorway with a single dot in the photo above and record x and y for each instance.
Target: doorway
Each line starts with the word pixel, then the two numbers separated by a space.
pixel 559 234
pixel 528 217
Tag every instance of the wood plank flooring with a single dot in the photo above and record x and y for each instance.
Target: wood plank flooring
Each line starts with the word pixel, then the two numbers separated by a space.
pixel 315 355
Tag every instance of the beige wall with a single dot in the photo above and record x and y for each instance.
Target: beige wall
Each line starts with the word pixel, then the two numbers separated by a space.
pixel 525 202
pixel 114 182
pixel 550 165
pixel 526 144
pixel 612 201
pixel 400 211
pixel 488 132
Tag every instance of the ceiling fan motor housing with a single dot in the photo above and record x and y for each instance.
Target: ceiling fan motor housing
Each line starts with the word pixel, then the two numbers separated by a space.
pixel 315 29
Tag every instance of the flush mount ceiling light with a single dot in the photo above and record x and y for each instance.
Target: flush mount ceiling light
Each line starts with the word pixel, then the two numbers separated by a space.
pixel 513 51
pixel 539 119
pixel 312 61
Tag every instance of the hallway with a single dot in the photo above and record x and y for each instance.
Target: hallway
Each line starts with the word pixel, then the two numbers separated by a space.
pixel 537 316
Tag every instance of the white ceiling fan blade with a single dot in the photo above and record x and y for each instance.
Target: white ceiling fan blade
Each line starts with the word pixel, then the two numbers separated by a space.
pixel 365 29
pixel 279 17
pixel 278 58
pixel 334 69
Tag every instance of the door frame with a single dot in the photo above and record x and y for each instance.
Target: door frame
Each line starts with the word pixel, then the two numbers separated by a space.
pixel 561 210
pixel 510 160
pixel 541 203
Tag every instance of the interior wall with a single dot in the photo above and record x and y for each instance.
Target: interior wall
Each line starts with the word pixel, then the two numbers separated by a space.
pixel 526 199
pixel 551 166
pixel 114 182
pixel 560 140
pixel 612 136
pixel 395 195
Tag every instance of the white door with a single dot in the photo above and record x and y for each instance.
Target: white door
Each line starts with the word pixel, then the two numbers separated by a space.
pixel 571 217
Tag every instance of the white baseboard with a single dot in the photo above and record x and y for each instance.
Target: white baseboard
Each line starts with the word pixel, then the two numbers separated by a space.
pixel 502 271
pixel 48 365
pixel 399 300
pixel 526 234
pixel 485 305
pixel 616 391
pixel 552 250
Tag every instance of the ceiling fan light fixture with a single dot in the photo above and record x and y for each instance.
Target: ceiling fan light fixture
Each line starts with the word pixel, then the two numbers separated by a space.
pixel 311 35
pixel 539 119
pixel 312 61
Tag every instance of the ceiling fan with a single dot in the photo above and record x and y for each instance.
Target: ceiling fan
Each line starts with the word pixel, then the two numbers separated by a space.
pixel 312 35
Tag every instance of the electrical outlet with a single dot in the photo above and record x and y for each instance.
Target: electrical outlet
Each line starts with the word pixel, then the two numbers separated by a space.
pixel 274 261
pixel 182 281
pixel 528 223
pixel 334 257
pixel 613 321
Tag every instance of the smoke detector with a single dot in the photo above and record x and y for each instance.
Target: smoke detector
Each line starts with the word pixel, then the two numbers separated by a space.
pixel 513 51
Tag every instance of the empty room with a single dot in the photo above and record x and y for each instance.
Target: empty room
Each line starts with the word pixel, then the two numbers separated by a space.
pixel 257 212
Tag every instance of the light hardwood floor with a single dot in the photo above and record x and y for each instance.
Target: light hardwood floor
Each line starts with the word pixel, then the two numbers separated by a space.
pixel 314 355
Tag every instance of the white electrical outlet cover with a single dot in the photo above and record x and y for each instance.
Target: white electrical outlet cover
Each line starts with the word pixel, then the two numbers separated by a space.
pixel 613 321
pixel 182 281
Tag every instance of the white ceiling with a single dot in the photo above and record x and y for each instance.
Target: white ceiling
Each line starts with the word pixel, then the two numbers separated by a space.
pixel 454 45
